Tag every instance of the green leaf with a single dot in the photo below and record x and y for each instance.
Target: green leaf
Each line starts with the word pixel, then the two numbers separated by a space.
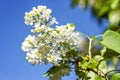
pixel 115 76
pixel 57 30
pixel 110 53
pixel 91 64
pixel 114 17
pixel 98 78
pixel 115 28
pixel 71 54
pixel 74 3
pixel 57 72
pixel 102 63
pixel 51 71
pixel 72 25
pixel 111 40
pixel 80 74
pixel 103 11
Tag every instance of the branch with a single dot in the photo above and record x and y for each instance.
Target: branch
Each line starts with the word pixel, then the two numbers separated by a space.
pixel 111 71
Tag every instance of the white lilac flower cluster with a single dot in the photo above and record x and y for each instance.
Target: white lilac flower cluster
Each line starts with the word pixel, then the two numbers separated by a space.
pixel 47 44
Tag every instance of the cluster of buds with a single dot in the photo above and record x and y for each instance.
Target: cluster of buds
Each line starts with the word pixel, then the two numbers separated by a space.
pixel 46 43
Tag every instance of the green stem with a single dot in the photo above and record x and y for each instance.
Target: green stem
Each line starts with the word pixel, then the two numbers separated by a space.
pixel 89 50
pixel 90 44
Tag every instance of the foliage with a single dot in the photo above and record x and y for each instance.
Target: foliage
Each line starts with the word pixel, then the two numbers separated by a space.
pixel 56 72
pixel 109 9
pixel 67 49
pixel 116 76
pixel 115 43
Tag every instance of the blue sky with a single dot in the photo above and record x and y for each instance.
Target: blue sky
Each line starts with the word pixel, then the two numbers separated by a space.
pixel 13 65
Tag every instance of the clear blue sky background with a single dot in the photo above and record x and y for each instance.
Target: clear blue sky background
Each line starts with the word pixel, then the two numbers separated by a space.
pixel 13 31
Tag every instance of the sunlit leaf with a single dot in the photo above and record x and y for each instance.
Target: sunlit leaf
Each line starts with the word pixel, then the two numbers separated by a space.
pixel 111 40
pixel 98 78
pixel 114 17
pixel 115 76
pixel 90 64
